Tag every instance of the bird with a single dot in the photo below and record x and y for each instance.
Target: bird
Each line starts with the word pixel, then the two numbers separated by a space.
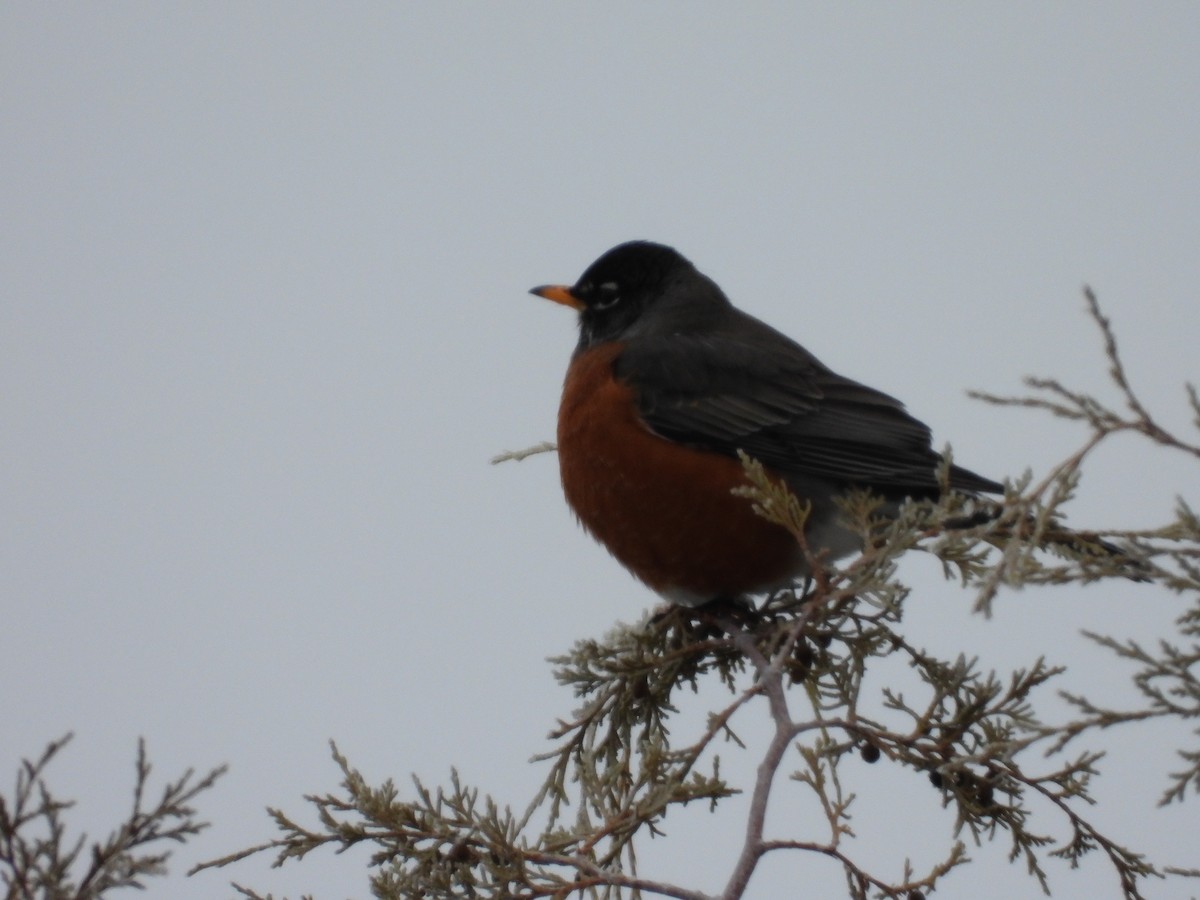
pixel 669 382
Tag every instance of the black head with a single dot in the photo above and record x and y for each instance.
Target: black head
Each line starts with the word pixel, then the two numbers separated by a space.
pixel 617 289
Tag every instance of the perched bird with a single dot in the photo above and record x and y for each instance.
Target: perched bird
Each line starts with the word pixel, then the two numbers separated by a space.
pixel 667 383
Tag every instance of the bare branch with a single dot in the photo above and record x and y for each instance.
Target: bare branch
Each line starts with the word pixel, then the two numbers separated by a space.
pixel 518 455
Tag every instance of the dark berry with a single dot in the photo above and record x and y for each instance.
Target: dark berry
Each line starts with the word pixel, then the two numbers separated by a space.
pixel 986 795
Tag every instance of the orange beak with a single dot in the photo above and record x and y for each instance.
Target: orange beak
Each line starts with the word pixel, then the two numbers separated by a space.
pixel 559 293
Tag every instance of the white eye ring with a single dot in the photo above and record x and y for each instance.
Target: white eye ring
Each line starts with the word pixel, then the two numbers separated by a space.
pixel 609 287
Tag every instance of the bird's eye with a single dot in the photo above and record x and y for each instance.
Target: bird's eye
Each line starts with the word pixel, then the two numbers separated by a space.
pixel 609 296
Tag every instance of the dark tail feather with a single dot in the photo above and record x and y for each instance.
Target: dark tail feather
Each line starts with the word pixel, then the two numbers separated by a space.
pixel 1077 545
pixel 1087 545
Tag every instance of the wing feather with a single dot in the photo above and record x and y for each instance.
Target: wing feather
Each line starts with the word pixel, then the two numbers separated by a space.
pixel 775 401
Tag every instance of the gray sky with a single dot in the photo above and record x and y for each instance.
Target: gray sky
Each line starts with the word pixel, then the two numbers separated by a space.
pixel 263 322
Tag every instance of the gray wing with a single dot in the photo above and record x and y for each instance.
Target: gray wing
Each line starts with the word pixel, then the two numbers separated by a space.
pixel 775 401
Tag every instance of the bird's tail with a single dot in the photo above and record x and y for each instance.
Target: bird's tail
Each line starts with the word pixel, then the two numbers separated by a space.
pixel 1086 547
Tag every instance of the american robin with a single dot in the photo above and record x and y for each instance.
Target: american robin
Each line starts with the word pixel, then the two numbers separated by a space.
pixel 667 383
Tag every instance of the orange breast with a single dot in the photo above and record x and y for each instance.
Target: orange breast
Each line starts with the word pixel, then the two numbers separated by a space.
pixel 664 510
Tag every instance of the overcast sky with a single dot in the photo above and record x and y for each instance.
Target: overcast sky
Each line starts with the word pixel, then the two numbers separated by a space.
pixel 263 322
